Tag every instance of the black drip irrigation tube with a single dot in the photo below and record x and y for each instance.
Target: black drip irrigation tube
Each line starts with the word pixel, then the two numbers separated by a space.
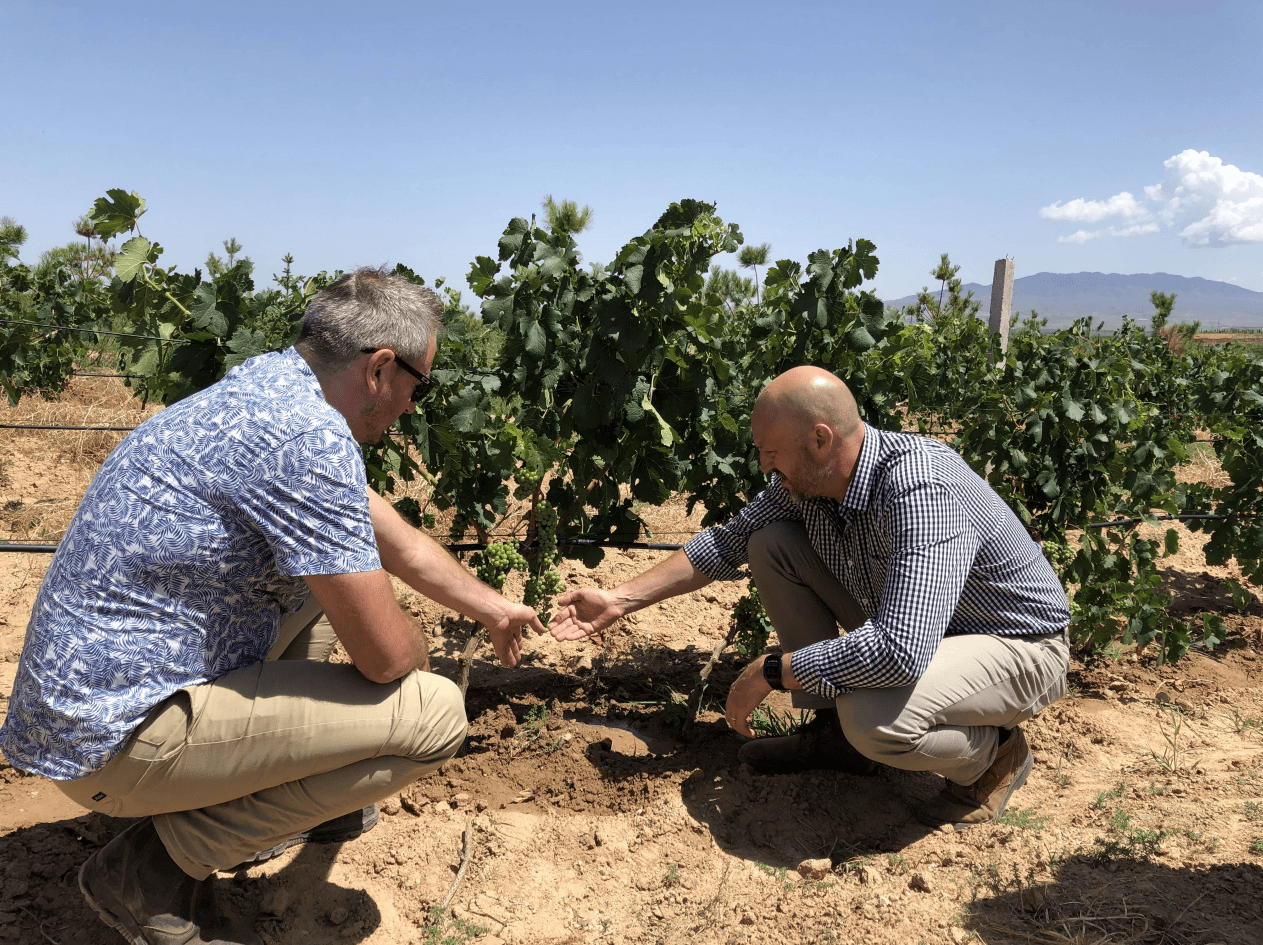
pixel 1160 518
pixel 455 549
pixel 55 426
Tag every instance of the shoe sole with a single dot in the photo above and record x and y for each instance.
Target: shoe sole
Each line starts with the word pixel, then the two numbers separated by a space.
pixel 333 836
pixel 129 930
pixel 1018 780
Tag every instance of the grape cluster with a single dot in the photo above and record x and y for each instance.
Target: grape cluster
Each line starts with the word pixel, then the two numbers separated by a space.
pixel 545 580
pixel 494 563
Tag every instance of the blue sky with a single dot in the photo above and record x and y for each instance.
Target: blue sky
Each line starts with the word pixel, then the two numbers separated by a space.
pixel 414 132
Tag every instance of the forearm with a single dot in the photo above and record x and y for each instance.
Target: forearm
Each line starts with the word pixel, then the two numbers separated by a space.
pixel 427 567
pixel 670 578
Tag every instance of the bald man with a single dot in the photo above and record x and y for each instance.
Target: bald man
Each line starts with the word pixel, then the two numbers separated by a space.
pixel 955 622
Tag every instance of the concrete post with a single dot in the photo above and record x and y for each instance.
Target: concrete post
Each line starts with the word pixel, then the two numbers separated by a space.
pixel 1002 300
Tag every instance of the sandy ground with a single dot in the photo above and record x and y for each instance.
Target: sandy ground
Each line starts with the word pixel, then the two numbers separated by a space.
pixel 592 818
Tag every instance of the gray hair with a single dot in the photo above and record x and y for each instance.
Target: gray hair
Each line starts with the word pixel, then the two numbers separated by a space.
pixel 368 308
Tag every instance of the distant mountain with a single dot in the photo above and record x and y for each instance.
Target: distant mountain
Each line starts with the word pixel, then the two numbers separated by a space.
pixel 1063 297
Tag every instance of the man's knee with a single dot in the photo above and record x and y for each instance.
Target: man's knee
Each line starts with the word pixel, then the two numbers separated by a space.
pixel 768 547
pixel 870 725
pixel 440 723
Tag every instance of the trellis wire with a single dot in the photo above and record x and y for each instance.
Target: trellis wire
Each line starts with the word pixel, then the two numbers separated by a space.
pixel 95 331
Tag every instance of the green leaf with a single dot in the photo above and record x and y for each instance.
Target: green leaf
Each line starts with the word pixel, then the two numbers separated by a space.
pixel 204 313
pixel 1172 544
pixel 117 212
pixel 536 341
pixel 1213 631
pixel 665 433
pixel 129 264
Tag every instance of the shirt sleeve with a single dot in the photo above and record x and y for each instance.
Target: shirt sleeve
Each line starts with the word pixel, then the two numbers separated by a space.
pixel 722 550
pixel 934 548
pixel 309 499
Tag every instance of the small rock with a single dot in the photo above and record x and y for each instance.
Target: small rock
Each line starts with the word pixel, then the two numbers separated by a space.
pixel 947 828
pixel 338 915
pixel 747 919
pixel 868 875
pixel 389 807
pixel 920 882
pixel 1162 697
pixel 657 911
pixel 815 869
pixel 275 902
pixel 461 798
pixel 957 934
pixel 584 664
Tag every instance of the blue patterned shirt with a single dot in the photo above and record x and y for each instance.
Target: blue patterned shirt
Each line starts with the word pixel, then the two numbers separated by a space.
pixel 186 550
pixel 925 547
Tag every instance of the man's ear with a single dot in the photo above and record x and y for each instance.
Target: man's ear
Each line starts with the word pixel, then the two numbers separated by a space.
pixel 373 366
pixel 822 438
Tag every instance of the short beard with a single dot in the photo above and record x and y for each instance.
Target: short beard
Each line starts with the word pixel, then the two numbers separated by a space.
pixel 810 483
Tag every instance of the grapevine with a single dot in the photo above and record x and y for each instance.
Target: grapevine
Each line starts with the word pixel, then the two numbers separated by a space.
pixel 544 580
pixel 493 563
pixel 752 625
pixel 622 385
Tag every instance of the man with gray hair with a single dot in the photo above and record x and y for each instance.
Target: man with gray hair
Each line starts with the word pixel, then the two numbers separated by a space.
pixel 175 662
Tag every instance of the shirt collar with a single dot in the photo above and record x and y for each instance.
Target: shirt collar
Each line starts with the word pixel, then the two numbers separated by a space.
pixel 860 491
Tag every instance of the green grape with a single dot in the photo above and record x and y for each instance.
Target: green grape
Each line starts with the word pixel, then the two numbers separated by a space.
pixel 493 563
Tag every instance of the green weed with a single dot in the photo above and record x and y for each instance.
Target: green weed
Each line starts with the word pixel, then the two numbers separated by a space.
pixel 1241 723
pixel 1126 843
pixel 442 931
pixel 1251 810
pixel 769 722
pixel 1026 819
pixel 1257 848
pixel 672 876
pixel 1108 796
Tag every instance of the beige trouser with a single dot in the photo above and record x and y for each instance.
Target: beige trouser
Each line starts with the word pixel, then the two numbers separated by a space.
pixel 949 720
pixel 265 752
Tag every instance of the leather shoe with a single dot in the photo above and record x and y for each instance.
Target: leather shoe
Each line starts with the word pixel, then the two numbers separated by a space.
pixel 967 804
pixel 818 745
pixel 135 887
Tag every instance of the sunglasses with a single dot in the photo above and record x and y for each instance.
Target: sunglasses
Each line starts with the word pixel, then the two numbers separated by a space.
pixel 425 383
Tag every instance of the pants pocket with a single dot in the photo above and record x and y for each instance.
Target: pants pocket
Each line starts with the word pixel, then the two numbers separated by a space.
pixel 116 789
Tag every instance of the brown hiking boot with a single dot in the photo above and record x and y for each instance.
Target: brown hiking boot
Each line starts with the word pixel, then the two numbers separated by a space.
pixel 135 887
pixel 964 805
pixel 820 744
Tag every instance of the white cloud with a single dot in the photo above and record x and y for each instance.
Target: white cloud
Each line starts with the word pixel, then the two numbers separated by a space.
pixel 1094 211
pixel 1213 203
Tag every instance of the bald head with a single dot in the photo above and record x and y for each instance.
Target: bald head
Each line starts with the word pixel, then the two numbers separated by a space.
pixel 804 396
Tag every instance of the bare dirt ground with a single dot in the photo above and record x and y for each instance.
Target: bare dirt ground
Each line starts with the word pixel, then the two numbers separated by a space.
pixel 592 818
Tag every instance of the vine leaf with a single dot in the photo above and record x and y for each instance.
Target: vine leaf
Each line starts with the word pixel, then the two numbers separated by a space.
pixel 129 264
pixel 117 212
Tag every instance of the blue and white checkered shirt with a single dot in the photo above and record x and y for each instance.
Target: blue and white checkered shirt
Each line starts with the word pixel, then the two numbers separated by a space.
pixel 925 547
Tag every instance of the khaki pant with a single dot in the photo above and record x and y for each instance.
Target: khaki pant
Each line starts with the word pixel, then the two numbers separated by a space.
pixel 949 720
pixel 265 752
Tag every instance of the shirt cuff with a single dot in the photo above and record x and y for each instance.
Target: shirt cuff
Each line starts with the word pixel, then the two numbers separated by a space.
pixel 703 553
pixel 811 667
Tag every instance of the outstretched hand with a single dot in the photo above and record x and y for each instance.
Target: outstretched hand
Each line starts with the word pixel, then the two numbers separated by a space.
pixel 586 612
pixel 506 632
pixel 746 695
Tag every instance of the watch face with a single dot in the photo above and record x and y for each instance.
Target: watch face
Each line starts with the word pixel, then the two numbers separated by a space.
pixel 772 671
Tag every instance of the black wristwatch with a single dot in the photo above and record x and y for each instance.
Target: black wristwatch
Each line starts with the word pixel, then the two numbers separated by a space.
pixel 772 671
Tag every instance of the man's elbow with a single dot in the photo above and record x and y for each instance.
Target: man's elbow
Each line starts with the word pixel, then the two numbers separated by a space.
pixel 386 668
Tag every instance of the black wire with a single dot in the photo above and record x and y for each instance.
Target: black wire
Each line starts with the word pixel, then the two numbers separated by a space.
pixel 51 426
pixel 95 331
pixel 1161 518
pixel 89 374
